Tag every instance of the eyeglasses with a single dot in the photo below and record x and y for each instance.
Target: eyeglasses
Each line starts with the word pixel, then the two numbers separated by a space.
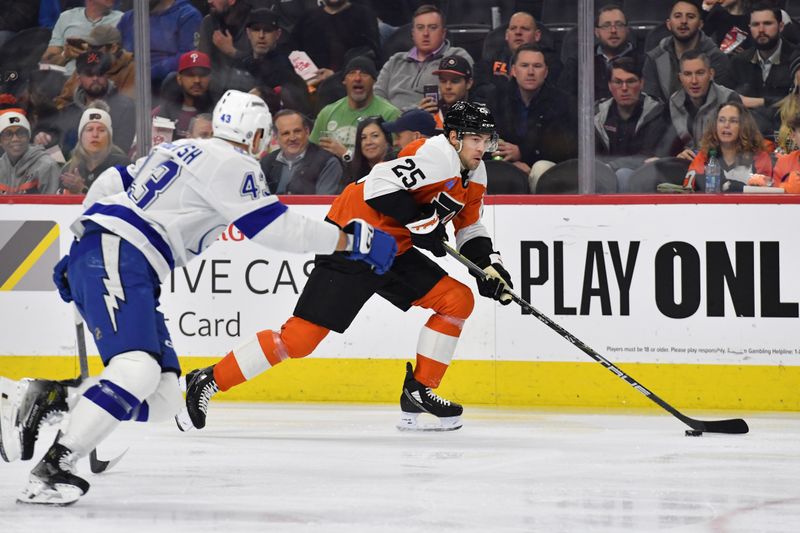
pixel 725 120
pixel 628 83
pixel 616 25
pixel 20 133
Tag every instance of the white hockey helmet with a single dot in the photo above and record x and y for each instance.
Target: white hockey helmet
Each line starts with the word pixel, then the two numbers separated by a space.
pixel 238 116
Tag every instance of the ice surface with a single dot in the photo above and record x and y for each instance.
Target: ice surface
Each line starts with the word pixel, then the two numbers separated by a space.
pixel 345 468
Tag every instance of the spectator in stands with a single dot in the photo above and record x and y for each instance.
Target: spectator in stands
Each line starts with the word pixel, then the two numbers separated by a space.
pixel 534 119
pixel 726 22
pixel 17 16
pixel 24 167
pixel 372 147
pixel 335 30
pixel 789 161
pixel 93 85
pixel 300 166
pixel 200 126
pixel 694 106
pixel 413 124
pixel 684 23
pixel 186 95
pixel 522 29
pixel 763 75
pixel 455 81
pixel 67 40
pixel 629 126
pixel 223 37
pixel 173 27
pixel 94 153
pixel 335 127
pixel 734 135
pixel 613 42
pixel 403 77
pixel 107 39
pixel 266 64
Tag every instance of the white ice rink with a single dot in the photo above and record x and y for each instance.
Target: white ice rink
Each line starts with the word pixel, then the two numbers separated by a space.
pixel 343 468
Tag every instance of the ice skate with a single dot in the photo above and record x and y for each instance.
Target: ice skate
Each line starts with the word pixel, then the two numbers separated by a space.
pixel 26 405
pixel 53 480
pixel 417 398
pixel 200 387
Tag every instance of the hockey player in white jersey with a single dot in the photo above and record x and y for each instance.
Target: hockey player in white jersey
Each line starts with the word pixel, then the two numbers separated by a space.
pixel 159 213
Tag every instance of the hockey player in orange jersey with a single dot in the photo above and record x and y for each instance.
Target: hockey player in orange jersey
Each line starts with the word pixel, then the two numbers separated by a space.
pixel 432 182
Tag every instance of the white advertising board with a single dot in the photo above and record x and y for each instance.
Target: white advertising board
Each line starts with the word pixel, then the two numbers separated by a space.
pixel 638 283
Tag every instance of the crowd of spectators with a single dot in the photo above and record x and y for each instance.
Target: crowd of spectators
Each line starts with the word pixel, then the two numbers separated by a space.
pixel 351 82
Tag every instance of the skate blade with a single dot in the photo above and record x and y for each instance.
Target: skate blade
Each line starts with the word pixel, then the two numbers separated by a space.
pixel 410 422
pixel 183 421
pixel 10 436
pixel 40 493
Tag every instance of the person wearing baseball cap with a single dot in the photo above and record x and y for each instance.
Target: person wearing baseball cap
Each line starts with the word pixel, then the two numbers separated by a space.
pixel 455 81
pixel 24 167
pixel 413 124
pixel 105 39
pixel 187 95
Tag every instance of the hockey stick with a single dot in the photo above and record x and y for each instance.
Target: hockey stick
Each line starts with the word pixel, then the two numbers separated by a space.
pixel 95 465
pixel 735 425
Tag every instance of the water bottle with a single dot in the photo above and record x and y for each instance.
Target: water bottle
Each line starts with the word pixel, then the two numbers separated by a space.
pixel 713 172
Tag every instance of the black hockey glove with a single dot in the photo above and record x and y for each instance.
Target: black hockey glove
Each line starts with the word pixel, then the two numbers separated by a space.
pixel 60 279
pixel 494 284
pixel 428 232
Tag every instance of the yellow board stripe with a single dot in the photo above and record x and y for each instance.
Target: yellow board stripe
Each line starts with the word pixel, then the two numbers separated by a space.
pixel 29 261
pixel 504 384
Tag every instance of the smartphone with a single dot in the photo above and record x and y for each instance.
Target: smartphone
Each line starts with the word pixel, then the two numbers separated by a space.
pixel 432 92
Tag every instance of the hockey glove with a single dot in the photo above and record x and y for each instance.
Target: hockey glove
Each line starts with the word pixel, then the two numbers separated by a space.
pixel 427 232
pixel 494 284
pixel 373 246
pixel 60 279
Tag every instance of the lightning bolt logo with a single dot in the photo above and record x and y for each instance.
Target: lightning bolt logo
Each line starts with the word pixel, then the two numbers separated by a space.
pixel 113 283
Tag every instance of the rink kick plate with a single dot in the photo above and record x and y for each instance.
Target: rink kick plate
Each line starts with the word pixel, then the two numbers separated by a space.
pixel 28 252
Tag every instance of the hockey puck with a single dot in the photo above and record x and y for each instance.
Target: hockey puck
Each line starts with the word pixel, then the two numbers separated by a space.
pixel 693 433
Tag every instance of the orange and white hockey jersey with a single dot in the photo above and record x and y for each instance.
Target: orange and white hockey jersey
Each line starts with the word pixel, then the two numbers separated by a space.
pixel 430 170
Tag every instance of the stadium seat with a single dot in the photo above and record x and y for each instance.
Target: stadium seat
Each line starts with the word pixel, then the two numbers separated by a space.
pixel 646 15
pixel 646 178
pixel 563 179
pixel 398 41
pixel 504 178
pixel 470 37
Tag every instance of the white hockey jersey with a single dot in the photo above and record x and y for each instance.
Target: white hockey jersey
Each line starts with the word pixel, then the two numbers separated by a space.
pixel 174 203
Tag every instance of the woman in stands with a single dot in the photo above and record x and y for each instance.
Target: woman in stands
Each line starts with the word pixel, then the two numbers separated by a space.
pixel 94 152
pixel 372 147
pixel 739 146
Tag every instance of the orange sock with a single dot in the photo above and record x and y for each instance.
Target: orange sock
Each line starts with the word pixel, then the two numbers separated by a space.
pixel 297 338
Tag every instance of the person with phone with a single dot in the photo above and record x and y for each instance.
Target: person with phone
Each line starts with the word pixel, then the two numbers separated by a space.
pixel 68 39
pixel 455 82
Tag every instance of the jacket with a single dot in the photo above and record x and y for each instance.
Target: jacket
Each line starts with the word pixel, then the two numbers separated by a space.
pixel 35 173
pixel 550 130
pixel 649 128
pixel 749 82
pixel 760 163
pixel 402 78
pixel 661 67
pixel 318 172
pixel 122 73
pixel 172 32
pixel 688 134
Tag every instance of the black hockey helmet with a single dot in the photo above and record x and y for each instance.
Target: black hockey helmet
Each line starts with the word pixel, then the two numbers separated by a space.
pixel 468 117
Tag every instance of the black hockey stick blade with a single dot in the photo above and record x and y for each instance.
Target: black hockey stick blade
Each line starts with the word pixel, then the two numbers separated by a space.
pixel 732 426
pixel 98 466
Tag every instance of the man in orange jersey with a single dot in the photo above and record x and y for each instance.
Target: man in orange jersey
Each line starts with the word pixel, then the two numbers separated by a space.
pixel 432 182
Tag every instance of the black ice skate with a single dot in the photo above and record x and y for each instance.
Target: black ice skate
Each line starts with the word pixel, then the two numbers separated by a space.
pixel 53 480
pixel 200 387
pixel 417 398
pixel 23 410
